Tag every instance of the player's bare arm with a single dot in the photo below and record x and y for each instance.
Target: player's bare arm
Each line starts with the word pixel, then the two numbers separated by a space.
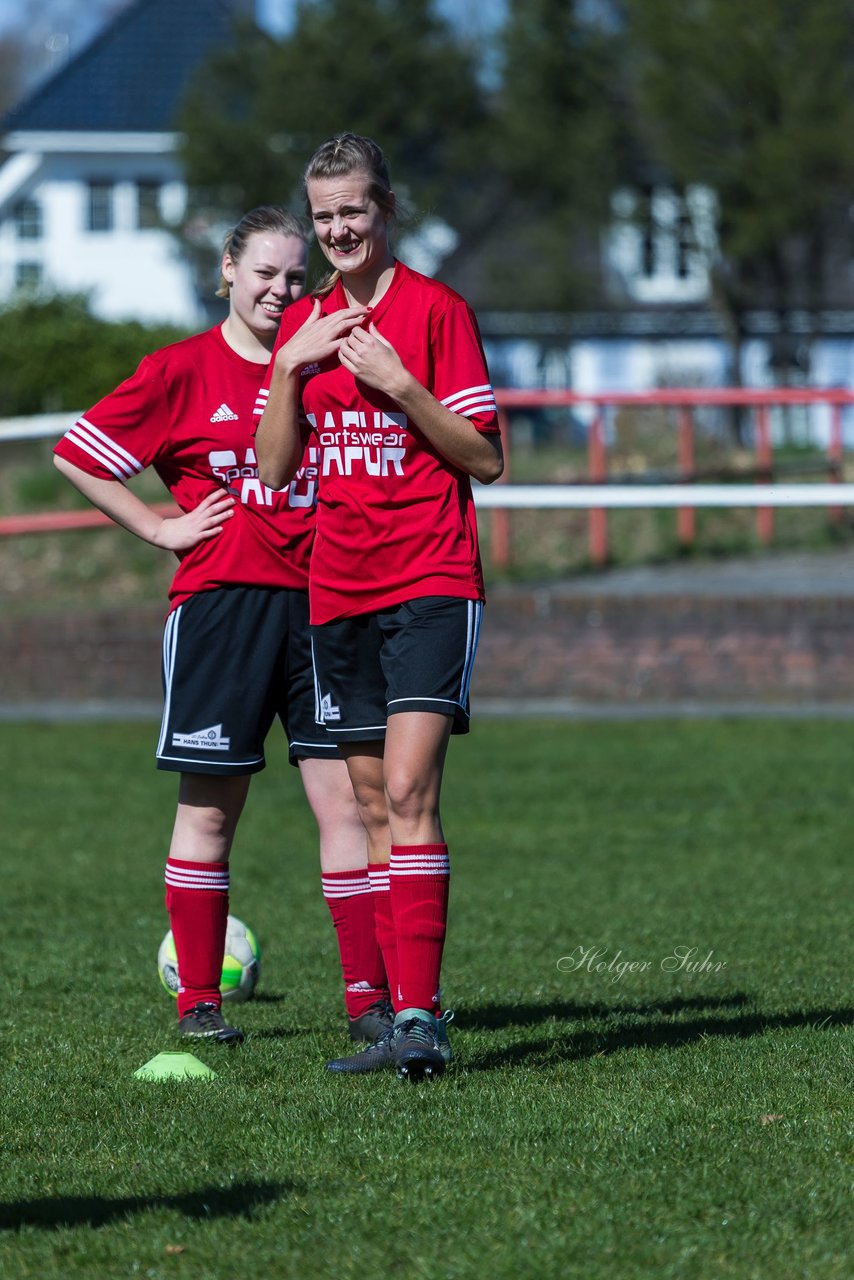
pixel 278 444
pixel 173 533
pixel 372 359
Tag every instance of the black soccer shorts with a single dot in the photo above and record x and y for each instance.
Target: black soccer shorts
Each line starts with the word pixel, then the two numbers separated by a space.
pixel 233 660
pixel 415 656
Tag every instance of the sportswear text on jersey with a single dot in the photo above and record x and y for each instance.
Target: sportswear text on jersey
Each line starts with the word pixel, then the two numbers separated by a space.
pixel 243 483
pixel 376 441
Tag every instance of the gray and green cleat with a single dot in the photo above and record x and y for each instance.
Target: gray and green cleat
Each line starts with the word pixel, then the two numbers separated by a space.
pixel 415 1047
pixel 205 1022
pixel 381 1053
pixel 373 1023
pixel 373 1057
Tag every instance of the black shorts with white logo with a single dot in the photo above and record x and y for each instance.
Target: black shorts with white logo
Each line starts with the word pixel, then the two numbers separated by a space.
pixel 416 656
pixel 233 660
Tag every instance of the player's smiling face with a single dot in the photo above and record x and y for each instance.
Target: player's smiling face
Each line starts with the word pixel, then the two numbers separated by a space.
pixel 269 276
pixel 351 228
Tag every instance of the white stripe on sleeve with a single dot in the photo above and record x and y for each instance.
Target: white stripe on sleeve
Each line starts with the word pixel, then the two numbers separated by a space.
pixel 104 450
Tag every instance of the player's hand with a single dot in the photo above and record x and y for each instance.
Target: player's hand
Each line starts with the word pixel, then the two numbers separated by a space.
pixel 182 533
pixel 319 336
pixel 373 360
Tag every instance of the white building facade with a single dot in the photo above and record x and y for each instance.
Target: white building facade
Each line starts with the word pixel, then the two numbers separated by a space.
pixel 85 212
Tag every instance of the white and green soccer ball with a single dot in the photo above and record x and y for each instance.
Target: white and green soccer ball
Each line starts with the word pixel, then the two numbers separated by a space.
pixel 241 964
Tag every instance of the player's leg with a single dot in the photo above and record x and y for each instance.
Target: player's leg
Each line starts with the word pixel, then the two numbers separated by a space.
pixel 411 910
pixel 365 765
pixel 350 696
pixel 197 890
pixel 428 655
pixel 343 848
pixel 419 872
pixel 220 653
pixel 347 892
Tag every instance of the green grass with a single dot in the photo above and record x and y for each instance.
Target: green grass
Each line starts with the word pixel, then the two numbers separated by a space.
pixel 660 1124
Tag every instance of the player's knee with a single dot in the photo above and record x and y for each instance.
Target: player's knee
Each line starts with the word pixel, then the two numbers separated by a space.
pixel 409 795
pixel 370 802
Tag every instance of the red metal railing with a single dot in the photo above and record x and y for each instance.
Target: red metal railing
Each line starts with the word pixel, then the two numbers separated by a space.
pixel 684 402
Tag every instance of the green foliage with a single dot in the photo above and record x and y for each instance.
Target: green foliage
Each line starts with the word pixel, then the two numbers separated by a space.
pixel 394 72
pixel 556 114
pixel 659 1124
pixel 759 106
pixel 55 354
pixel 514 172
pixel 554 152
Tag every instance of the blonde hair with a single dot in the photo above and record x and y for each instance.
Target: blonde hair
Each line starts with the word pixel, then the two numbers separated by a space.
pixel 266 217
pixel 340 156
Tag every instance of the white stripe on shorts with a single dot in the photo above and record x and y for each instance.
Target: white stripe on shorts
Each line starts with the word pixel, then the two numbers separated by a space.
pixel 170 649
pixel 475 613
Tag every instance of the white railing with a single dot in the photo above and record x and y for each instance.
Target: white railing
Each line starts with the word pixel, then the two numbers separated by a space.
pixel 584 496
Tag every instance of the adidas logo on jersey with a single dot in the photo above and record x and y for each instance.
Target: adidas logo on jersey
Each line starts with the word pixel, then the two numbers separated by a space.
pixel 210 739
pixel 224 414
pixel 308 369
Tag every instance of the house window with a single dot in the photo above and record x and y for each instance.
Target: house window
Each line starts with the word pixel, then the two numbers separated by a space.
pixel 685 243
pixel 661 242
pixel 28 220
pixel 646 222
pixel 147 204
pixel 100 206
pixel 28 275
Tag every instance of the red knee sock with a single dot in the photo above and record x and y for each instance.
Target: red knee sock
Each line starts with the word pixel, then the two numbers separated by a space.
pixel 384 922
pixel 197 902
pixel 419 877
pixel 350 902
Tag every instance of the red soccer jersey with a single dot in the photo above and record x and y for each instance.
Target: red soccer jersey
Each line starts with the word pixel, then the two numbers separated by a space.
pixel 187 411
pixel 395 519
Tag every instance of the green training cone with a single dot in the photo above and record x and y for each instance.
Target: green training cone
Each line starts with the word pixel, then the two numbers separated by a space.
pixel 175 1066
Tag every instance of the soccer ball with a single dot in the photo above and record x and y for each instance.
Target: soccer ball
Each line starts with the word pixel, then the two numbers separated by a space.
pixel 241 964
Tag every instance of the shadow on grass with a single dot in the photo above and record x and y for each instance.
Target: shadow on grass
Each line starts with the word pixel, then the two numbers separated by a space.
pixel 656 1033
pixel 274 1033
pixel 240 1200
pixel 496 1016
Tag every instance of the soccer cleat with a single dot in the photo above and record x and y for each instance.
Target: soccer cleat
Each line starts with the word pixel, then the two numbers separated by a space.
pixel 373 1057
pixel 373 1023
pixel 415 1046
pixel 442 1024
pixel 380 1054
pixel 205 1022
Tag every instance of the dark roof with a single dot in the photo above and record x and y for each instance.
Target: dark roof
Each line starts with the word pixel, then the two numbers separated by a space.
pixel 134 74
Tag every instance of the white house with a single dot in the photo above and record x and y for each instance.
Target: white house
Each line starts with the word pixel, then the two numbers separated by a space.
pixel 92 171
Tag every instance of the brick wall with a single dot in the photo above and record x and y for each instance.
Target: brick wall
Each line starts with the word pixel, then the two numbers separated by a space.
pixel 602 648
pixel 72 657
pixel 596 648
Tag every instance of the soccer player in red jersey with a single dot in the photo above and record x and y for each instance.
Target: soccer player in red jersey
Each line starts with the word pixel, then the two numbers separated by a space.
pixel 401 414
pixel 236 649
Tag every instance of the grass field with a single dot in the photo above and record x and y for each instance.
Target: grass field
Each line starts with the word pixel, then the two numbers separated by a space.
pixel 598 1122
